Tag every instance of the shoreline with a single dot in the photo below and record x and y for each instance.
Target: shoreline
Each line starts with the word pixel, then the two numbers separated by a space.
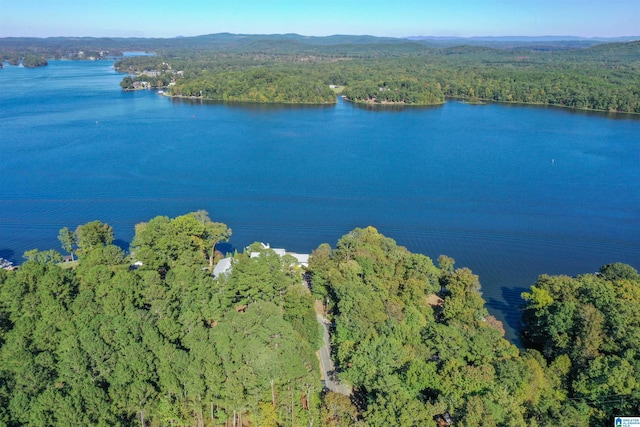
pixel 201 98
pixel 480 102
pixel 391 103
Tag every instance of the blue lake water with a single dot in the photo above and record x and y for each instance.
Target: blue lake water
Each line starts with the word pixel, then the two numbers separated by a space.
pixel 509 191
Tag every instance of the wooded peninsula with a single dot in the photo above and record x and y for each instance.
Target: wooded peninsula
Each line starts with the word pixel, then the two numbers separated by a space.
pixel 294 69
pixel 149 337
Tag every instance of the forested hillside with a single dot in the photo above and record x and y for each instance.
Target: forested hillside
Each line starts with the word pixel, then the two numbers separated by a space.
pixel 382 71
pixel 295 69
pixel 413 357
pixel 163 344
pixel 150 338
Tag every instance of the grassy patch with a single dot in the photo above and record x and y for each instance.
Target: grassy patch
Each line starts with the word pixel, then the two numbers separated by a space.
pixel 70 264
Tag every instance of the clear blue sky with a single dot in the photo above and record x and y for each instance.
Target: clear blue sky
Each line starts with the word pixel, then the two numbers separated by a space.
pixel 396 18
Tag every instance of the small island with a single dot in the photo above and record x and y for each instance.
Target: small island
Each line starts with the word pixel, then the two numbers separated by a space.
pixel 29 61
pixel 34 61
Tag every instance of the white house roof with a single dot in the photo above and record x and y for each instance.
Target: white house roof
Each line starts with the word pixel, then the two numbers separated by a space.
pixel 223 266
pixel 303 259
pixel 279 252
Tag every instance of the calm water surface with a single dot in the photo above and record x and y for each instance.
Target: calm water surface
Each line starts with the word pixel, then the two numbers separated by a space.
pixel 511 192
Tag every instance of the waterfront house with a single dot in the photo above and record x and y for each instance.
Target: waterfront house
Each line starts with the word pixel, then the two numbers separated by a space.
pixel 222 267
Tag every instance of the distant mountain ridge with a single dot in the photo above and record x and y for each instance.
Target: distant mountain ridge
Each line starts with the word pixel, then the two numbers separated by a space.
pixel 521 42
pixel 528 38
pixel 226 39
pixel 12 48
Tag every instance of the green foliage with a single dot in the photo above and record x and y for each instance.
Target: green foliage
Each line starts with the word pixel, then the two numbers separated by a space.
pixel 265 277
pixel 463 301
pixel 619 271
pixel 127 83
pixel 394 90
pixel 189 240
pixel 404 357
pixel 93 234
pixel 167 344
pixel 538 298
pixel 68 239
pixel 298 310
pixel 43 257
pixel 33 61
pixel 261 85
pixel 410 361
pixel 598 78
pixel 104 344
pixel 295 69
pixel 338 411
pixel 588 329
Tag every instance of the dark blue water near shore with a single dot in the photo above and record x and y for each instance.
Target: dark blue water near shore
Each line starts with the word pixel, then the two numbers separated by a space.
pixel 509 191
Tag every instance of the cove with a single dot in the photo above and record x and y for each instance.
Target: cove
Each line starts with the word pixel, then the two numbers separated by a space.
pixel 508 191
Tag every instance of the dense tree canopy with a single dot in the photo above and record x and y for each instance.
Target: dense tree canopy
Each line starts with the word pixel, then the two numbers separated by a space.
pixel 412 357
pixel 185 240
pixel 259 86
pixel 116 343
pixel 590 325
pixel 295 69
pixel 162 344
pixel 603 77
pixel 34 61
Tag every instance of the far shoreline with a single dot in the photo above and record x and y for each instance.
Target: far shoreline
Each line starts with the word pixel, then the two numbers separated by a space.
pixel 402 105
